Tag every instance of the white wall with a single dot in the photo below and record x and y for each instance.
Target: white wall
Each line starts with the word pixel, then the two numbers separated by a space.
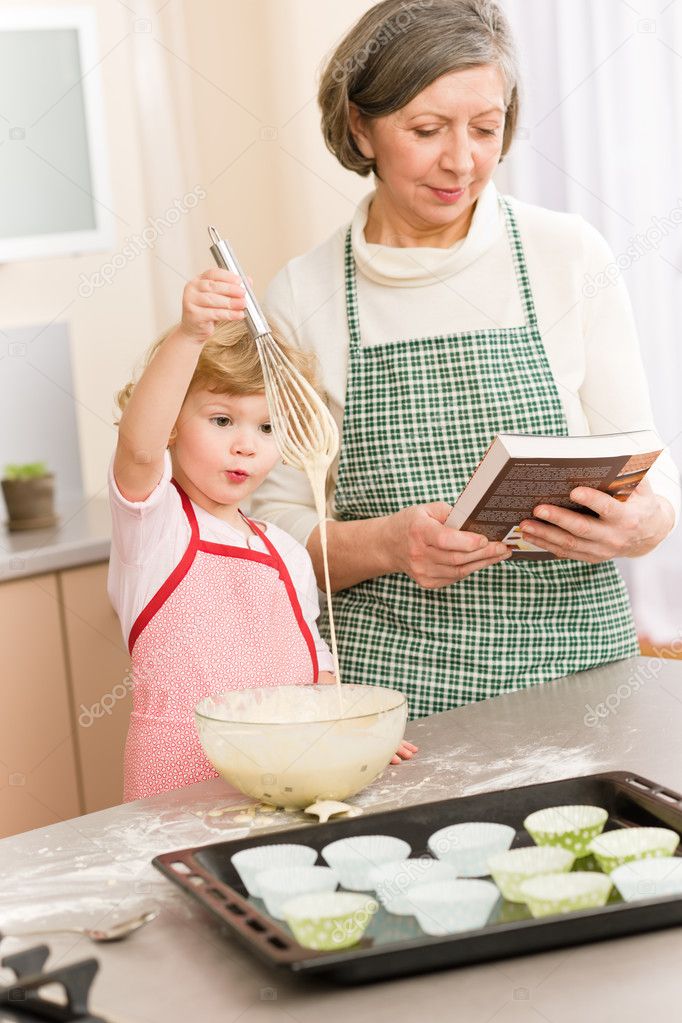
pixel 212 95
pixel 108 327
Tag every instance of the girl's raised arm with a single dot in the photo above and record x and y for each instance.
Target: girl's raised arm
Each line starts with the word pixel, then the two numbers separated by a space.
pixel 154 405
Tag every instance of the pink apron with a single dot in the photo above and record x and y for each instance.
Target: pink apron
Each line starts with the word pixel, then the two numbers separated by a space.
pixel 214 624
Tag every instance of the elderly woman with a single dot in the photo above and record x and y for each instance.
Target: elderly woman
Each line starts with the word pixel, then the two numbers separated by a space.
pixel 444 314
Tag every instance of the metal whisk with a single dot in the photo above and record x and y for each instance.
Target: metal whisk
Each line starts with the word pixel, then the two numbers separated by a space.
pixel 304 428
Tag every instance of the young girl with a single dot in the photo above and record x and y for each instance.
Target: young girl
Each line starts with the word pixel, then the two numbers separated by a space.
pixel 208 599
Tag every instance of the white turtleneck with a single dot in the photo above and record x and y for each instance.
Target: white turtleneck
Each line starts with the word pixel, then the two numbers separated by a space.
pixel 591 340
pixel 424 267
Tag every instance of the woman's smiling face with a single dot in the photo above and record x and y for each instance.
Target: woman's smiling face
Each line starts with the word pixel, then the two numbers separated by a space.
pixel 448 137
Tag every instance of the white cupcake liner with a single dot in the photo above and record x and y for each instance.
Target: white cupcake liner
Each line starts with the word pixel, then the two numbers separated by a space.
pixel 469 846
pixel 447 907
pixel 649 879
pixel 392 881
pixel 280 884
pixel 249 863
pixel 353 858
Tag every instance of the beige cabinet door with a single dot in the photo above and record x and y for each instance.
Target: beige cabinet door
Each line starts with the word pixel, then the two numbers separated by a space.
pixel 99 668
pixel 38 779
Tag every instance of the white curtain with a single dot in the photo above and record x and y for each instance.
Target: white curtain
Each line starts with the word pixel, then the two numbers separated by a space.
pixel 167 151
pixel 601 135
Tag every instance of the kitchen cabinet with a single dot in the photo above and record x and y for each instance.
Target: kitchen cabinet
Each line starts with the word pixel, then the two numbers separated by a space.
pixel 38 775
pixel 66 698
pixel 99 666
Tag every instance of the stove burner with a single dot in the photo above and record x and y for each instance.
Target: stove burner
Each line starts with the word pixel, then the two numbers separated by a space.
pixel 21 1000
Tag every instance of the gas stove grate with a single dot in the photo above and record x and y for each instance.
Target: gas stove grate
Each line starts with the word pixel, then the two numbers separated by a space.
pixel 22 1001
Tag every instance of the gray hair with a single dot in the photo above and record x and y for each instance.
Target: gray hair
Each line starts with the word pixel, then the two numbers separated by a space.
pixel 397 49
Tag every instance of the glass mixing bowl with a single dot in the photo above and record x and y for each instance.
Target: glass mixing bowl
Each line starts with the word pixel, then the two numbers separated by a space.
pixel 292 745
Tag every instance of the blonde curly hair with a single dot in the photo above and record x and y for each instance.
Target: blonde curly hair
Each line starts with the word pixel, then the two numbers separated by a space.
pixel 228 364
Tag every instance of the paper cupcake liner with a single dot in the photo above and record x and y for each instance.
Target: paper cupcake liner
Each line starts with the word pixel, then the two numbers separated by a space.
pixel 625 845
pixel 649 879
pixel 565 893
pixel 392 882
pixel 330 920
pixel 510 869
pixel 354 858
pixel 448 907
pixel 279 885
pixel 568 827
pixel 469 846
pixel 249 863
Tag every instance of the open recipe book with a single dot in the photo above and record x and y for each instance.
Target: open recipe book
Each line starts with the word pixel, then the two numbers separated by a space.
pixel 518 472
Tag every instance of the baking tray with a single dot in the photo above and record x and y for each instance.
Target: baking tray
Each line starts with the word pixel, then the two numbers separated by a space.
pixel 394 946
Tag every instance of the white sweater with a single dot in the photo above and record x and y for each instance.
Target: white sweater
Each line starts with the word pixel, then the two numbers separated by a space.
pixel 591 342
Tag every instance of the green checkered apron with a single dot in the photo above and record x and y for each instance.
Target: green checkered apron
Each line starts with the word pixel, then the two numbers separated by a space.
pixel 419 415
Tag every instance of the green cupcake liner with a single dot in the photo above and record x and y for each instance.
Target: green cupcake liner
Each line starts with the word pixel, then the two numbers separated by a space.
pixel 330 920
pixel 566 893
pixel 625 845
pixel 510 869
pixel 568 827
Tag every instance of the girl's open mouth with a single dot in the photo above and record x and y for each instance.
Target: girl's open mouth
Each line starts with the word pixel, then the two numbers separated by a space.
pixel 236 476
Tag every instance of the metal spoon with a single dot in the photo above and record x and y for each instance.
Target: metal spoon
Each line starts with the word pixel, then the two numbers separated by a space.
pixel 115 933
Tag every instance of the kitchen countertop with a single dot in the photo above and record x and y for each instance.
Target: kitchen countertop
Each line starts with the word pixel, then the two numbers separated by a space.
pixel 624 716
pixel 82 536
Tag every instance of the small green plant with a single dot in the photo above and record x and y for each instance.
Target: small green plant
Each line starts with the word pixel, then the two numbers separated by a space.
pixel 28 471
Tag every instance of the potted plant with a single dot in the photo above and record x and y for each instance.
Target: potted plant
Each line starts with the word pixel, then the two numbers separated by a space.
pixel 29 495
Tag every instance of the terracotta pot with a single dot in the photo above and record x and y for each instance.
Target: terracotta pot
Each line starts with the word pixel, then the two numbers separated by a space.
pixel 30 503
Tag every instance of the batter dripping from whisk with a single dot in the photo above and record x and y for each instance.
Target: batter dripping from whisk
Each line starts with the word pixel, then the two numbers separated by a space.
pixel 305 431
pixel 304 428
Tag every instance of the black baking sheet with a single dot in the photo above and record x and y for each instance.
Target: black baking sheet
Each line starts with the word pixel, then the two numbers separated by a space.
pixel 395 945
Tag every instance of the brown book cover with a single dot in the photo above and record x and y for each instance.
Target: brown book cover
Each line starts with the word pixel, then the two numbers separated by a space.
pixel 519 472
